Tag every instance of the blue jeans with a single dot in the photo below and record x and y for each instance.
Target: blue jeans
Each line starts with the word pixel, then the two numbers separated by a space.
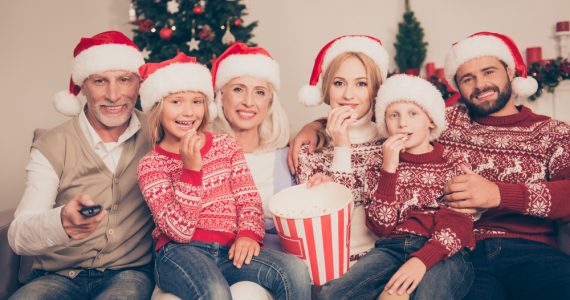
pixel 519 269
pixel 448 279
pixel 203 271
pixel 133 283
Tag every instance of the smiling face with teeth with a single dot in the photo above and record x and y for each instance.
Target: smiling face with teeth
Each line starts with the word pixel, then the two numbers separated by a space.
pixel 111 98
pixel 406 117
pixel 485 86
pixel 246 101
pixel 182 112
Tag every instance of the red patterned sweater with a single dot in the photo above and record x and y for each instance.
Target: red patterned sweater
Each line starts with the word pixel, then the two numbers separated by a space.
pixel 405 203
pixel 528 156
pixel 217 204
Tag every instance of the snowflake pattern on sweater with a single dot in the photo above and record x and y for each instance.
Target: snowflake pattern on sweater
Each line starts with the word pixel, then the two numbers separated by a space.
pixel 405 202
pixel 217 204
pixel 528 156
pixel 364 156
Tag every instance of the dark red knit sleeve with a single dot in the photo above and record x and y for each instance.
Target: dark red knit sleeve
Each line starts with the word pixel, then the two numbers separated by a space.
pixel 452 232
pixel 382 209
pixel 550 199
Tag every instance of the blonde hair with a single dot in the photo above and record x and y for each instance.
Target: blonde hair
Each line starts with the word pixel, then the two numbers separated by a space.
pixel 273 130
pixel 372 74
pixel 155 114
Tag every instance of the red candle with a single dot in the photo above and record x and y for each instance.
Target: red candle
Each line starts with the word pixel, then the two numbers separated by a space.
pixel 430 69
pixel 563 26
pixel 533 54
pixel 440 72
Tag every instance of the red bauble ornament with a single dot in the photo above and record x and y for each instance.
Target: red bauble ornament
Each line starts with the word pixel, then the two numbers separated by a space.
pixel 145 25
pixel 165 33
pixel 206 33
pixel 237 22
pixel 198 9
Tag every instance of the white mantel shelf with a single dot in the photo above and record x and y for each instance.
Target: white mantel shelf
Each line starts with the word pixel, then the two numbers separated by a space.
pixel 555 105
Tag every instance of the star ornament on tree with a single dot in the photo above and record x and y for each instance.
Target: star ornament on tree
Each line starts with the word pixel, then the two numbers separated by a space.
pixel 146 53
pixel 193 44
pixel 173 6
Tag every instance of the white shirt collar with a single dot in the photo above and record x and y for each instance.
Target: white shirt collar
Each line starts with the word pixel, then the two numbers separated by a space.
pixel 95 140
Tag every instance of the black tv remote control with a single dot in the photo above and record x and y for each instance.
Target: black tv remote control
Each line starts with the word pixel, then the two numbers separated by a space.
pixel 90 211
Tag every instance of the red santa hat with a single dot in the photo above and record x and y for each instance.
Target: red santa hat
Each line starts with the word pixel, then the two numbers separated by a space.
pixel 310 95
pixel 106 51
pixel 490 44
pixel 414 89
pixel 178 74
pixel 242 60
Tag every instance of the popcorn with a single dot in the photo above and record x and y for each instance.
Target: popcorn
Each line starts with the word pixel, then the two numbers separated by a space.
pixel 302 213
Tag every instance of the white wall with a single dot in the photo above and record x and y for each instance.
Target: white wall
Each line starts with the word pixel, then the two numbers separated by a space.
pixel 37 46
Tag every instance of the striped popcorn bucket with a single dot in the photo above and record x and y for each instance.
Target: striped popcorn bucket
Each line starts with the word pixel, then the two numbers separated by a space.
pixel 314 224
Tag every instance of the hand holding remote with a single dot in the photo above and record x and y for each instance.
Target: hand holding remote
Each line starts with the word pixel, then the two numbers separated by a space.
pixel 77 225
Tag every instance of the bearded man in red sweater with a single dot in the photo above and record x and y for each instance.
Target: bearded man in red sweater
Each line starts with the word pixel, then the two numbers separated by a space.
pixel 521 167
pixel 520 172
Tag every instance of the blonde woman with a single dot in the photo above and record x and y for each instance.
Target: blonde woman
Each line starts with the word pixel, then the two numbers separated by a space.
pixel 246 80
pixel 352 68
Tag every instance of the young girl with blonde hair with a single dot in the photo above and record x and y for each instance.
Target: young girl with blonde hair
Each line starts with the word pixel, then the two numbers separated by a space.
pixel 208 215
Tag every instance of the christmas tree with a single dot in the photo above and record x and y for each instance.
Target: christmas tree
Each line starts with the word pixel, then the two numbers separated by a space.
pixel 410 45
pixel 199 28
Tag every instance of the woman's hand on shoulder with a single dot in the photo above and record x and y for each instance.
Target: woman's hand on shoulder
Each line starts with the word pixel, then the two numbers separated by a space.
pixel 306 136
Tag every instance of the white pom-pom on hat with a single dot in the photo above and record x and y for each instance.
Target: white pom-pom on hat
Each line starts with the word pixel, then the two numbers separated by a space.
pixel 67 104
pixel 310 95
pixel 524 86
pixel 212 109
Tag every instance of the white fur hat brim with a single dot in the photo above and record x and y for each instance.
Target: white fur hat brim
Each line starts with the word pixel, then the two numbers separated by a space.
pixel 106 57
pixel 413 89
pixel 174 78
pixel 256 65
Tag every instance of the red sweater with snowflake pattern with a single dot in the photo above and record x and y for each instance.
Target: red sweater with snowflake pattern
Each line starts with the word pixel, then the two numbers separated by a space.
pixel 405 202
pixel 217 204
pixel 528 157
